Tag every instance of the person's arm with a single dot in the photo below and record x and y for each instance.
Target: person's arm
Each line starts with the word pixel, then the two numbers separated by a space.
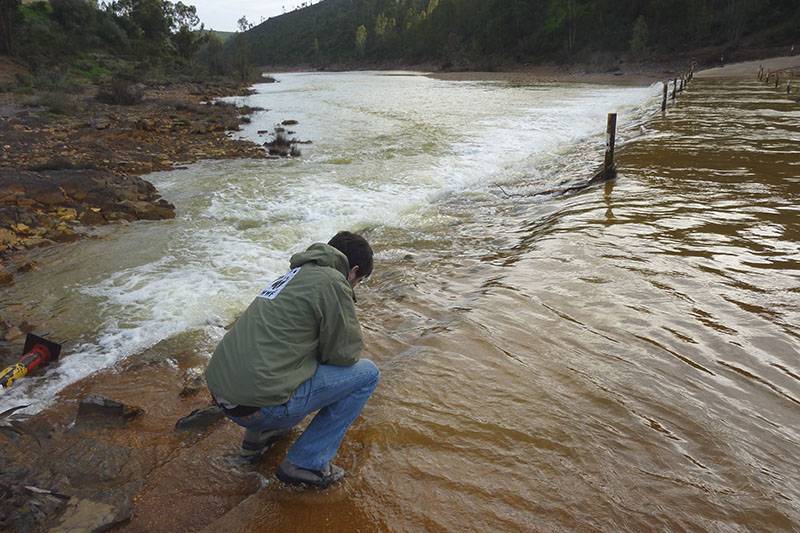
pixel 340 340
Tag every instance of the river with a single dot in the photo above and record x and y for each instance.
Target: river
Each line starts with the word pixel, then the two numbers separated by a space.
pixel 621 357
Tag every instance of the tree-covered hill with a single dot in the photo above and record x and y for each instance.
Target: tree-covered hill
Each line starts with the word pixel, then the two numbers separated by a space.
pixel 475 33
pixel 91 41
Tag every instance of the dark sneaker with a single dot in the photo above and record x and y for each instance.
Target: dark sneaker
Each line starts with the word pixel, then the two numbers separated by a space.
pixel 257 442
pixel 294 475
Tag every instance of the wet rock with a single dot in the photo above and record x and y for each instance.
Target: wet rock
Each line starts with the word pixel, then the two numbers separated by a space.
pixel 35 242
pixel 6 277
pixel 278 149
pixel 27 266
pixel 97 410
pixel 62 233
pixel 289 123
pixel 194 382
pixel 92 217
pixel 24 506
pixel 148 211
pixel 200 418
pixel 8 237
pixel 89 515
pixel 21 228
pixel 13 333
pixel 66 213
pixel 54 163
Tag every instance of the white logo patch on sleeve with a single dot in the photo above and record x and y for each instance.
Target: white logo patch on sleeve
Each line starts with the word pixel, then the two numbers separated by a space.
pixel 275 288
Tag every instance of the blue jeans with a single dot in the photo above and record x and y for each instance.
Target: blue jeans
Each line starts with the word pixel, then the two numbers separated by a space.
pixel 338 393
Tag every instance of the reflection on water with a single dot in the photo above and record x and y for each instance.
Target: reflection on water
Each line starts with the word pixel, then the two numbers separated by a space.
pixel 621 358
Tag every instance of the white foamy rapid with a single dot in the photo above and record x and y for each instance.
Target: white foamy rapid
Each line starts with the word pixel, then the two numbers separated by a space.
pixel 386 149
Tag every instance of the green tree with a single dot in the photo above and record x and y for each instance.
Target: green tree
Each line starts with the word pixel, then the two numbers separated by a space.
pixel 361 40
pixel 639 36
pixel 241 50
pixel 215 59
pixel 383 26
pixel 9 15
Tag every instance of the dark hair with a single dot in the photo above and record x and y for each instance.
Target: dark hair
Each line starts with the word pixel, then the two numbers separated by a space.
pixel 356 249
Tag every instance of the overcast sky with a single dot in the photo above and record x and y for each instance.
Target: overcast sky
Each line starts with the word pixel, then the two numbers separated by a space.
pixel 222 15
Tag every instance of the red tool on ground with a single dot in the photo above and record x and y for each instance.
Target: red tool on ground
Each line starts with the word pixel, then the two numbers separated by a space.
pixel 38 352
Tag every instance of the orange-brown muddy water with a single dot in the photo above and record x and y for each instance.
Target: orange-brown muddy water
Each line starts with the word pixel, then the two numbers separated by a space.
pixel 621 358
pixel 628 361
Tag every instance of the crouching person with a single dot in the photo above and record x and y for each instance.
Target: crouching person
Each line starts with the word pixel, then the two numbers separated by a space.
pixel 294 351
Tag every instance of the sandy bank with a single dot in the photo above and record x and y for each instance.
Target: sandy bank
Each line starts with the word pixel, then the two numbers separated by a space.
pixel 749 69
pixel 633 75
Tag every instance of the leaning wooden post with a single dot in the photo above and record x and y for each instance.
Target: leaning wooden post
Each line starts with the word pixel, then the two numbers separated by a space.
pixel 777 81
pixel 664 99
pixel 674 88
pixel 609 169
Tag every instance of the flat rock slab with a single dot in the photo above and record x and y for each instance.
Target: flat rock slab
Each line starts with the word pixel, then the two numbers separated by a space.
pixel 88 515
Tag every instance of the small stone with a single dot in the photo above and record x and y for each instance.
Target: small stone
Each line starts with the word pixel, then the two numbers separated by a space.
pixel 35 242
pixel 66 213
pixel 8 237
pixel 6 277
pixel 13 334
pixel 95 409
pixel 92 217
pixel 27 266
pixel 62 233
pixel 21 228
pixel 194 383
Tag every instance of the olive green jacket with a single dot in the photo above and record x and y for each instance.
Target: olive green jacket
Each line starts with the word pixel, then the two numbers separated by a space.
pixel 304 318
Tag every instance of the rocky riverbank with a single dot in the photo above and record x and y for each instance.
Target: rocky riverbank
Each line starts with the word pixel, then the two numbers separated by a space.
pixel 71 162
pixel 87 464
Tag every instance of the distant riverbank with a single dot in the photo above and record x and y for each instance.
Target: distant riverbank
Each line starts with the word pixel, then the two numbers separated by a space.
pixel 749 69
pixel 630 74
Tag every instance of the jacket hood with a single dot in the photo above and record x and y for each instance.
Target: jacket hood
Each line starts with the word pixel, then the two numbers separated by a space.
pixel 323 255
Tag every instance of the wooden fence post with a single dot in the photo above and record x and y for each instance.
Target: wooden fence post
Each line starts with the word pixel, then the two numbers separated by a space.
pixel 611 139
pixel 777 80
pixel 664 99
pixel 674 88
